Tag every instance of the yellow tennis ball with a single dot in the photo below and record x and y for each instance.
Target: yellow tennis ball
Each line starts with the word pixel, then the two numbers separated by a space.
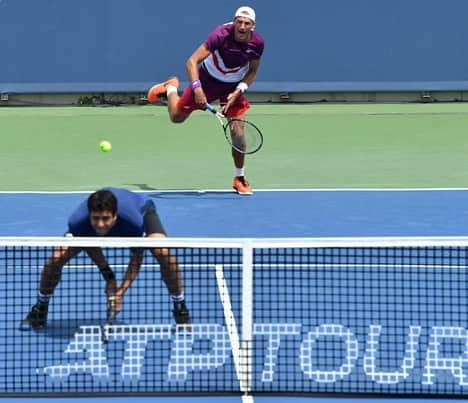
pixel 105 146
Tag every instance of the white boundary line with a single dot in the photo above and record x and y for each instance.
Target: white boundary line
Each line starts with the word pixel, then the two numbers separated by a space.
pixel 233 332
pixel 202 191
pixel 229 318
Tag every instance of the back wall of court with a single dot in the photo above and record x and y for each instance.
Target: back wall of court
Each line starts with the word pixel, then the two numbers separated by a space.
pixel 311 45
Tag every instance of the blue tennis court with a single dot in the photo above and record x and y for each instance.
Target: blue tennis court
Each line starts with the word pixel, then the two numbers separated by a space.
pixel 268 214
pixel 295 213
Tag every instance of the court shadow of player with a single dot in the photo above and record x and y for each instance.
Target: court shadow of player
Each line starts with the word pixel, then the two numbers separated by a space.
pixel 176 193
pixel 198 194
pixel 141 186
pixel 67 328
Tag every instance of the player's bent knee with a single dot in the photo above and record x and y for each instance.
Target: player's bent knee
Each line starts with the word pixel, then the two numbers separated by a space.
pixel 161 253
pixel 178 118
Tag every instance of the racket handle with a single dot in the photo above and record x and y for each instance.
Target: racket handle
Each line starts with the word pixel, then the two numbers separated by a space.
pixel 210 108
pixel 111 313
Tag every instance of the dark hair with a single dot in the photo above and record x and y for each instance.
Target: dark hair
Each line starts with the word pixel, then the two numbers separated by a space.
pixel 102 200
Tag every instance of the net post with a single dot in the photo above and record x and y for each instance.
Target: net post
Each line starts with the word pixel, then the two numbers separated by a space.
pixel 247 315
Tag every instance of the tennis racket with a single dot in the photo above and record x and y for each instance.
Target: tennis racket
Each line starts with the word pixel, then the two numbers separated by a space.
pixel 252 139
pixel 111 314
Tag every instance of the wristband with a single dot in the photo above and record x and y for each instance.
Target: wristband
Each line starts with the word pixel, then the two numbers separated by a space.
pixel 195 84
pixel 242 86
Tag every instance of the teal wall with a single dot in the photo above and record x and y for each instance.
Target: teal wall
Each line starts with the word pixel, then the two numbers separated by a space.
pixel 125 45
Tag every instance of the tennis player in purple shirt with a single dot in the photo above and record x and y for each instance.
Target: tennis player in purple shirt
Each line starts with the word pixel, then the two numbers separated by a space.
pixel 221 68
pixel 112 212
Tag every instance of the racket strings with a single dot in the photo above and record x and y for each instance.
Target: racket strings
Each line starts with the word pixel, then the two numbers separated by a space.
pixel 244 136
pixel 238 135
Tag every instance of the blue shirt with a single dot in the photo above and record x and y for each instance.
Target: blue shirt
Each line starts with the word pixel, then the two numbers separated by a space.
pixel 131 209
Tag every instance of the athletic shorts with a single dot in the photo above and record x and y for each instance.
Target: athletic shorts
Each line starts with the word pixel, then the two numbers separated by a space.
pixel 214 90
pixel 151 221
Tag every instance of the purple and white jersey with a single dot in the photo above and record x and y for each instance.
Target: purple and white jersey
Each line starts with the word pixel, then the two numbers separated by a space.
pixel 229 60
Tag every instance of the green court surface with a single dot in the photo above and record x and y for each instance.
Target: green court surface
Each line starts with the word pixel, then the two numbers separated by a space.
pixel 306 146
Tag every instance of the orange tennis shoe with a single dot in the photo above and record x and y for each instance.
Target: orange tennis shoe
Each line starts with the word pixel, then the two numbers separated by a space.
pixel 241 185
pixel 158 90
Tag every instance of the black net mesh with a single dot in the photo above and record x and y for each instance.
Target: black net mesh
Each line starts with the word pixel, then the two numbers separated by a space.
pixel 387 320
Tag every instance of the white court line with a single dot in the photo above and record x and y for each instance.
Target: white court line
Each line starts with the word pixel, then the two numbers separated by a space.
pixel 201 191
pixel 233 332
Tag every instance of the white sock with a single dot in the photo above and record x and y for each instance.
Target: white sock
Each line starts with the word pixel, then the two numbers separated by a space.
pixel 178 298
pixel 239 171
pixel 170 89
pixel 43 298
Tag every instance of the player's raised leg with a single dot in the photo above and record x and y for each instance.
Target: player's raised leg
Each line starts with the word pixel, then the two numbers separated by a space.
pixel 168 89
pixel 159 90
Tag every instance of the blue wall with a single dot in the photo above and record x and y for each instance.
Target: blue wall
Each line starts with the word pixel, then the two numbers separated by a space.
pixel 125 45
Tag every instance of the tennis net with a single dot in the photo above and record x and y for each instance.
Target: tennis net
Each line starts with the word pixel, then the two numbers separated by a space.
pixel 331 315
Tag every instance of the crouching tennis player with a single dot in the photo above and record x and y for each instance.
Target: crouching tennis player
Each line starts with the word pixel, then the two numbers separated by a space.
pixel 112 212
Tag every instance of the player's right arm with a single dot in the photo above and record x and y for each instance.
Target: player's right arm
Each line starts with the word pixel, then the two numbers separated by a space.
pixel 200 54
pixel 108 274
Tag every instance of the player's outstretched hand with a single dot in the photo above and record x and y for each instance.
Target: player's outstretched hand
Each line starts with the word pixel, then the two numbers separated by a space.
pixel 111 309
pixel 231 98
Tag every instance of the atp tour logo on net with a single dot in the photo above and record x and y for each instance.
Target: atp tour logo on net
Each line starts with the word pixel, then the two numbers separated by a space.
pixel 438 362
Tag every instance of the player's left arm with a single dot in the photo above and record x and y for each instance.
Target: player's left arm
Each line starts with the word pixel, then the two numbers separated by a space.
pixel 130 276
pixel 251 74
pixel 248 80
